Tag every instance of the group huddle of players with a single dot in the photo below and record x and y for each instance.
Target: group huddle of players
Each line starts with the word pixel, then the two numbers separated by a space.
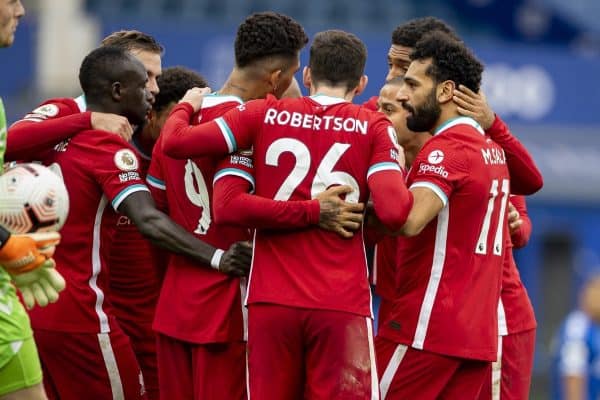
pixel 215 247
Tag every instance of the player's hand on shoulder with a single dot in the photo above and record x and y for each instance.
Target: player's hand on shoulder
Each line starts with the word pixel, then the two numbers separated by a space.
pixel 25 252
pixel 337 215
pixel 195 96
pixel 237 259
pixel 114 123
pixel 40 286
pixel 474 105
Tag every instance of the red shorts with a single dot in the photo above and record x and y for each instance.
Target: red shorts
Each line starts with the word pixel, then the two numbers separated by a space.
pixel 296 353
pixel 215 371
pixel 407 373
pixel 385 308
pixel 89 365
pixel 510 378
pixel 143 341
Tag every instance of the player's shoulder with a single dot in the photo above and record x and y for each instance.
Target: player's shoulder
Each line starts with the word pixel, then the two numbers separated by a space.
pixel 53 108
pixel 99 139
pixel 461 129
pixel 371 104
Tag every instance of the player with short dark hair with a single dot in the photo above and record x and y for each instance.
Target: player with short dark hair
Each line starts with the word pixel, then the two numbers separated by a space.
pixel 455 238
pixel 58 119
pixel 199 315
pixel 310 321
pixel 96 356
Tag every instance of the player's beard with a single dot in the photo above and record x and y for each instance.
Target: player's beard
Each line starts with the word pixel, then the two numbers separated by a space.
pixel 423 118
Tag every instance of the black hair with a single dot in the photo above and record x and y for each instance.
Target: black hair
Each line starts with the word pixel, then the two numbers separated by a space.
pixel 267 34
pixel 451 60
pixel 101 68
pixel 409 33
pixel 173 83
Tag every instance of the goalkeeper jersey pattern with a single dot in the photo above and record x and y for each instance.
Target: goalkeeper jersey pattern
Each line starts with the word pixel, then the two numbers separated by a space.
pixel 14 323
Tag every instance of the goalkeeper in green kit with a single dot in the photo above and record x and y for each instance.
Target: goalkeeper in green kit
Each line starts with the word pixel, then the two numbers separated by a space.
pixel 25 260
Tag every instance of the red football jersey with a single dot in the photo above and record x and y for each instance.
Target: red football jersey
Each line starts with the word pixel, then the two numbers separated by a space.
pixel 197 303
pixel 448 279
pixel 301 147
pixel 515 312
pixel 99 169
pixel 134 269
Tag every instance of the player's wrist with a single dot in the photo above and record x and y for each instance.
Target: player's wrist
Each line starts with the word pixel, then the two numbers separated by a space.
pixel 215 260
pixel 314 212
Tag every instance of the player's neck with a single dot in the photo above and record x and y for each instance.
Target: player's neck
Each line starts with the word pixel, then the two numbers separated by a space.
pixel 111 108
pixel 332 91
pixel 240 85
pixel 449 111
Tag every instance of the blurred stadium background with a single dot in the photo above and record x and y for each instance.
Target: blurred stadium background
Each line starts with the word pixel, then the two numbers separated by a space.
pixel 542 75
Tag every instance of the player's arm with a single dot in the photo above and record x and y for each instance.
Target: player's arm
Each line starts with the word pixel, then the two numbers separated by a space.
pixel 519 221
pixel 427 205
pixel 574 387
pixel 51 123
pixel 234 205
pixel 233 131
pixel 163 232
pixel 525 177
pixel 43 128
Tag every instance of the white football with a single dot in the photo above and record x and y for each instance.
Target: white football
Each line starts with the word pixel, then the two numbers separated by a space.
pixel 33 198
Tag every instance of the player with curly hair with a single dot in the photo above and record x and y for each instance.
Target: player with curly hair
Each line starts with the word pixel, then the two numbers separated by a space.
pixel 452 252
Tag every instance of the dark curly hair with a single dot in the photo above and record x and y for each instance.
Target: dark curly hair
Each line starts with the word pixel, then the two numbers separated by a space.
pixel 267 34
pixel 337 58
pixel 451 60
pixel 409 33
pixel 133 40
pixel 173 83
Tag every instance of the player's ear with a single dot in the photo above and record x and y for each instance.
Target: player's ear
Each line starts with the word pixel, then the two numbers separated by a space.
pixel 362 84
pixel 306 79
pixel 445 91
pixel 116 90
pixel 274 78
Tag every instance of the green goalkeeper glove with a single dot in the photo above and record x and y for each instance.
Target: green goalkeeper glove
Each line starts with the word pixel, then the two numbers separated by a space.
pixel 41 285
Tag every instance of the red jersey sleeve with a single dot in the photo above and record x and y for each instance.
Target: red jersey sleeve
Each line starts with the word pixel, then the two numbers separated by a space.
pixel 525 177
pixel 521 236
pixel 440 167
pixel 233 205
pixel 155 178
pixel 40 130
pixel 391 199
pixel 235 130
pixel 115 167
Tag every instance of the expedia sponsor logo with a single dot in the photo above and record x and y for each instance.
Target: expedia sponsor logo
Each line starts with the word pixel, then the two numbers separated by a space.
pixel 435 169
